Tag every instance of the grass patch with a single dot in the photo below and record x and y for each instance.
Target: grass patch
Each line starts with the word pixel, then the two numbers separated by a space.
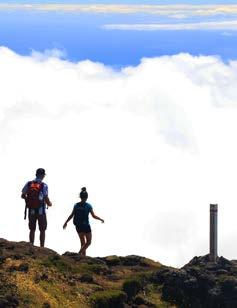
pixel 58 263
pixel 91 269
pixel 108 299
pixel 132 286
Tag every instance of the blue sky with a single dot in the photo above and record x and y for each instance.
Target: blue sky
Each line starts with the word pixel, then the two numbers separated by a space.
pixel 128 1
pixel 82 36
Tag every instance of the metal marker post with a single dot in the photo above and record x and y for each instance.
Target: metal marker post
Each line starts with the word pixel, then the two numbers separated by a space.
pixel 213 232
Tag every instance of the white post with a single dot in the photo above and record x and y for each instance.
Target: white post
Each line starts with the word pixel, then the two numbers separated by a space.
pixel 213 232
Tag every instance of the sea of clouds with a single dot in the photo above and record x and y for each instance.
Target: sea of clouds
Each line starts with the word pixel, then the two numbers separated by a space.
pixel 154 144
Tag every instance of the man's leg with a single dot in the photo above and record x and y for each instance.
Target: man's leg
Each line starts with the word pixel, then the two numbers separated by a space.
pixel 32 236
pixel 42 220
pixel 42 238
pixel 32 227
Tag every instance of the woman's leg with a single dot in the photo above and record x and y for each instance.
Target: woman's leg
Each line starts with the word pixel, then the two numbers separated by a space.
pixel 88 242
pixel 83 241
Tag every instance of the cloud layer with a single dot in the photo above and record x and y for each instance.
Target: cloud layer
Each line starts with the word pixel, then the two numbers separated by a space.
pixel 216 25
pixel 177 11
pixel 154 144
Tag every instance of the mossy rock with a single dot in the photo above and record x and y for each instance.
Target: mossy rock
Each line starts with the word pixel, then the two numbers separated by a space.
pixel 112 260
pixel 108 299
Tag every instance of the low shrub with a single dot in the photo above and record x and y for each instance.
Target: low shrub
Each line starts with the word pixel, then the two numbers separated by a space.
pixel 132 286
pixel 108 299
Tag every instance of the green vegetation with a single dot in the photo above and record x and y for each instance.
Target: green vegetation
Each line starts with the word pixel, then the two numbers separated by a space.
pixel 35 277
pixel 108 299
pixel 131 287
pixel 57 262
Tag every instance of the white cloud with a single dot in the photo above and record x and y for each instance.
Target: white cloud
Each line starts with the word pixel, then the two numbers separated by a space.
pixel 154 144
pixel 228 33
pixel 217 25
pixel 180 11
pixel 53 53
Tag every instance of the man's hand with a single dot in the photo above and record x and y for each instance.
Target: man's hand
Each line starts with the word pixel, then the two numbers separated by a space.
pixel 47 201
pixel 23 196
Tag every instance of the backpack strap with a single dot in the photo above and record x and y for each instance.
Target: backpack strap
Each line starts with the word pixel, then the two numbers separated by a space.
pixel 41 186
pixel 29 183
pixel 25 213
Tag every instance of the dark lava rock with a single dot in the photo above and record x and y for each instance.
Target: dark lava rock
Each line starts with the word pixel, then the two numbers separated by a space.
pixel 23 267
pixel 20 250
pixel 132 260
pixel 12 268
pixel 112 260
pixel 222 272
pixel 2 259
pixel 229 286
pixel 139 300
pixel 8 293
pixel 112 277
pixel 158 277
pixel 9 301
pixel 18 257
pixel 87 278
pixel 84 259
pixel 200 283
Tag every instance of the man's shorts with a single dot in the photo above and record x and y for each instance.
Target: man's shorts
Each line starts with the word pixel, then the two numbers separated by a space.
pixel 42 221
pixel 83 229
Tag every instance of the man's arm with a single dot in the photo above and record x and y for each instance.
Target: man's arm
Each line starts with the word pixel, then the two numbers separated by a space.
pixel 47 201
pixel 46 197
pixel 23 196
pixel 24 191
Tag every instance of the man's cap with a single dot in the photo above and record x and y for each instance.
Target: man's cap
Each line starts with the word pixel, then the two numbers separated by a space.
pixel 40 171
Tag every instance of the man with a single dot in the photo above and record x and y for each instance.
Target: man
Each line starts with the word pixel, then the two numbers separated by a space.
pixel 36 197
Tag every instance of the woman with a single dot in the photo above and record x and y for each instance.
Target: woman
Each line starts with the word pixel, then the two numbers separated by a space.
pixel 80 215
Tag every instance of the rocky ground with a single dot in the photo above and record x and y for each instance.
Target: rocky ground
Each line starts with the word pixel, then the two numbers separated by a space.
pixel 39 277
pixel 200 283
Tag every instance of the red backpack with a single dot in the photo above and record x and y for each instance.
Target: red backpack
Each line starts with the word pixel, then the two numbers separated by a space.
pixel 32 195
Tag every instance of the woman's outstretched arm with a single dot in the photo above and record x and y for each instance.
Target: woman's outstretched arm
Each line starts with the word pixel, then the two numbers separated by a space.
pixel 96 217
pixel 69 218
